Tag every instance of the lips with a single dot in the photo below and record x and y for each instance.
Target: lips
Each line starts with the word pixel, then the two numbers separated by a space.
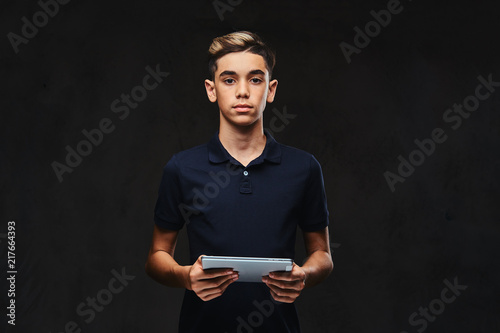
pixel 242 107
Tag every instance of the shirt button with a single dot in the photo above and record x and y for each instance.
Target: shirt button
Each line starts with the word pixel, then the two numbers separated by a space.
pixel 245 173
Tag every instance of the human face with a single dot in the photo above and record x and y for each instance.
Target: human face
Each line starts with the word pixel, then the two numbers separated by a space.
pixel 241 88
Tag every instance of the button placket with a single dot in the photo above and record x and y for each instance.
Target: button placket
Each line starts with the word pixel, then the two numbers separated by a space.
pixel 245 185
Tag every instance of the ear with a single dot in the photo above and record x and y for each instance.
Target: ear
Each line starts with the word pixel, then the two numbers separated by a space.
pixel 273 85
pixel 210 87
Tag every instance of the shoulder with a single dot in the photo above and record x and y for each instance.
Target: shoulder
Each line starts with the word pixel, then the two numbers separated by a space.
pixel 301 162
pixel 190 157
pixel 296 155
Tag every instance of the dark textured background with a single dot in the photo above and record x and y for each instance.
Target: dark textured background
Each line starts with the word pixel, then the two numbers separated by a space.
pixel 392 251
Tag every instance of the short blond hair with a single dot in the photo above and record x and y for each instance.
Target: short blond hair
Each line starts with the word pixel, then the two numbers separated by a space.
pixel 239 41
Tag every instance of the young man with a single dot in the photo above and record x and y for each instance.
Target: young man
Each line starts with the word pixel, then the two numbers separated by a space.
pixel 241 194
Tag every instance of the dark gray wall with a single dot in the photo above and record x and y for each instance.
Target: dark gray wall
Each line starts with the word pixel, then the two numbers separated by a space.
pixel 393 250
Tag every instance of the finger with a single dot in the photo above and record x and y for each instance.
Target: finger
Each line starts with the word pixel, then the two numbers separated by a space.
pixel 199 264
pixel 216 282
pixel 214 273
pixel 287 276
pixel 224 285
pixel 218 290
pixel 284 292
pixel 283 299
pixel 295 285
pixel 209 297
pixel 208 294
pixel 199 259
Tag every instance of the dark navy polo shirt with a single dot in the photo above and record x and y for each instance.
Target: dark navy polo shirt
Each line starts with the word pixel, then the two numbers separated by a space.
pixel 232 210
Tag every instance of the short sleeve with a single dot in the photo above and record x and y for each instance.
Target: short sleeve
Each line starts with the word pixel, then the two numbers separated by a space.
pixel 314 212
pixel 167 210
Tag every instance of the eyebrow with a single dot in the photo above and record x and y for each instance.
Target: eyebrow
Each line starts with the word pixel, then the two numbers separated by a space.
pixel 257 71
pixel 227 73
pixel 253 72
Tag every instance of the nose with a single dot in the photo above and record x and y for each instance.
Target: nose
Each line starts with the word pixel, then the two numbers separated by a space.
pixel 242 90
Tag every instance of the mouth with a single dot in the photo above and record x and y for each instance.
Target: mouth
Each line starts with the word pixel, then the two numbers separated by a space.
pixel 242 107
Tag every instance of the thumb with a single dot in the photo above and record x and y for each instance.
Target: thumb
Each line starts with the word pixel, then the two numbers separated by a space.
pixel 199 259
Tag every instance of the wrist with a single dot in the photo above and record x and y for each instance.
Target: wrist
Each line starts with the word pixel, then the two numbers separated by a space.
pixel 184 273
pixel 307 273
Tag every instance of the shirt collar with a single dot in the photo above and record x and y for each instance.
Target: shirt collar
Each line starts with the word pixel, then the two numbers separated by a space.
pixel 218 154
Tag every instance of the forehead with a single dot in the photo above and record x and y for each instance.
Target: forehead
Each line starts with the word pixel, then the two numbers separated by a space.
pixel 241 62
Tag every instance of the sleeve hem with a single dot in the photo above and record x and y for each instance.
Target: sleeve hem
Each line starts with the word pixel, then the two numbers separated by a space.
pixel 167 225
pixel 315 226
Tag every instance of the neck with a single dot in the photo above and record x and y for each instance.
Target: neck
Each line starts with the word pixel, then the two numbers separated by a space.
pixel 244 143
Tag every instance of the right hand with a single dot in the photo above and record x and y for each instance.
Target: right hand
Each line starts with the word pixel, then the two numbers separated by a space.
pixel 211 283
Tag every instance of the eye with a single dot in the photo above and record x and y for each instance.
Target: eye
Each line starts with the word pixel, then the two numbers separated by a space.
pixel 229 81
pixel 256 80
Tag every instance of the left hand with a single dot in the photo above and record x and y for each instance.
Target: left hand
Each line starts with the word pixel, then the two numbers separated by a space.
pixel 286 286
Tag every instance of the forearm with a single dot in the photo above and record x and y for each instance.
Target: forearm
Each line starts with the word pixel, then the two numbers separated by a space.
pixel 317 267
pixel 164 269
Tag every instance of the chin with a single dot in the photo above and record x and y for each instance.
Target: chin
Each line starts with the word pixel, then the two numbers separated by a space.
pixel 244 122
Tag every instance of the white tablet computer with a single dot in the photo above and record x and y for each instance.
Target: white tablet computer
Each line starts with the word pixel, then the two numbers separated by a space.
pixel 249 269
